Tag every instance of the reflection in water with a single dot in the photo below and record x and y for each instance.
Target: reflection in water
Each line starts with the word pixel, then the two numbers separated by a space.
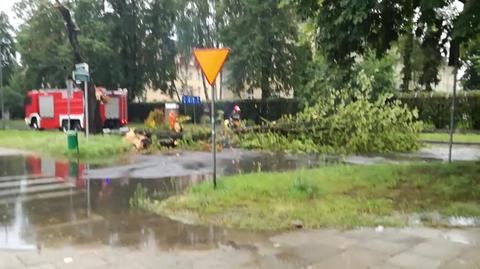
pixel 51 203
pixel 25 180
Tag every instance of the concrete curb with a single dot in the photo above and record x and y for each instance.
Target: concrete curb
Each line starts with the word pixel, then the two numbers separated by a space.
pixel 446 143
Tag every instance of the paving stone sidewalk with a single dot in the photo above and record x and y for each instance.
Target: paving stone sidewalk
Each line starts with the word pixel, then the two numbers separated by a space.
pixel 364 248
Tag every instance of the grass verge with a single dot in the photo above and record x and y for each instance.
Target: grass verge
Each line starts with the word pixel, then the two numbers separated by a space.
pixel 15 124
pixel 99 148
pixel 445 137
pixel 336 196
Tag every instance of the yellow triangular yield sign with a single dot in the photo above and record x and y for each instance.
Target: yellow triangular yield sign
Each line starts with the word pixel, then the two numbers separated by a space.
pixel 211 62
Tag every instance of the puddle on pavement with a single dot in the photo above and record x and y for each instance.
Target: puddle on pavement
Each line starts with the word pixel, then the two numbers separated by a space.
pixel 438 220
pixel 46 203
pixel 265 162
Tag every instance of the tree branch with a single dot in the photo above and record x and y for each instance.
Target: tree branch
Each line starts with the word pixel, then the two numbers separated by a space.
pixel 72 30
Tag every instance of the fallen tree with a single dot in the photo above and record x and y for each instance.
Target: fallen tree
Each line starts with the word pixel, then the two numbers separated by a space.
pixel 347 121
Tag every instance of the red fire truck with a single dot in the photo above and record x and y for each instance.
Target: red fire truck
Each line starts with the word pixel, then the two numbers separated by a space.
pixel 48 109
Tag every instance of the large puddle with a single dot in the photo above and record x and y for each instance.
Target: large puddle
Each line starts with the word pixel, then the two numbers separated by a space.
pixel 45 203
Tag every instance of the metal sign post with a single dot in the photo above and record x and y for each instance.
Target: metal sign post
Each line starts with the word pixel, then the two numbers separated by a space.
pixel 214 138
pixel 211 62
pixel 89 202
pixel 197 101
pixel 81 73
pixel 87 125
pixel 69 97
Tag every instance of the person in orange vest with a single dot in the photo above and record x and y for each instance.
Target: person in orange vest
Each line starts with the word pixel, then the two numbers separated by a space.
pixel 172 120
pixel 235 119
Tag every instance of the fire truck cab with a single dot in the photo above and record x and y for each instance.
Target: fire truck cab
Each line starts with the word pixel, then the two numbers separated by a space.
pixel 48 109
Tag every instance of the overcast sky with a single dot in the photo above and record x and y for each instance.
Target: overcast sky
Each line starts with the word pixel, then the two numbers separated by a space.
pixel 6 6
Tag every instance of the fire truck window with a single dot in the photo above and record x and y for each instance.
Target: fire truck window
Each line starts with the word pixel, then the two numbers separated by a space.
pixel 112 108
pixel 46 106
pixel 28 100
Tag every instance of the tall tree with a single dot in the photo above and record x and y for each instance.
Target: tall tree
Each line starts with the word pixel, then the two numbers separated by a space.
pixel 196 27
pixel 347 28
pixel 263 38
pixel 94 120
pixel 142 38
pixel 408 45
pixel 43 45
pixel 160 51
pixel 415 59
pixel 7 47
pixel 7 59
pixel 128 44
pixel 350 27
pixel 95 42
pixel 471 58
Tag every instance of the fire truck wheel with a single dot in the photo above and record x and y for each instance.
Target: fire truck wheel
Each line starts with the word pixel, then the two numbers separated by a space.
pixel 35 124
pixel 64 126
pixel 76 126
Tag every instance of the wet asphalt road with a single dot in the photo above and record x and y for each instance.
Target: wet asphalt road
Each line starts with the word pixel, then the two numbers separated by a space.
pixel 51 216
pixel 234 161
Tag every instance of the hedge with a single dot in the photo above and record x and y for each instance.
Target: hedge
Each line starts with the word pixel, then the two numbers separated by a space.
pixel 434 108
pixel 253 110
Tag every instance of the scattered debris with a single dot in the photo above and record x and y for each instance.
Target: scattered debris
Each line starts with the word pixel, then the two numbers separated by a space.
pixel 141 140
pixel 168 142
pixel 207 146
pixel 296 224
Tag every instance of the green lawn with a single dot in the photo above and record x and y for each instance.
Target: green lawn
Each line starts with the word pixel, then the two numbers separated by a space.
pixel 15 124
pixel 136 125
pixel 99 148
pixel 445 137
pixel 335 196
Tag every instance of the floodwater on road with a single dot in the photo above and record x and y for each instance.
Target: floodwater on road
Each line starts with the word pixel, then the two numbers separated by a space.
pixel 200 163
pixel 48 203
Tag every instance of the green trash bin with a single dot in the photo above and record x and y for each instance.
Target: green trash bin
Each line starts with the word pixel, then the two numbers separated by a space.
pixel 73 169
pixel 72 140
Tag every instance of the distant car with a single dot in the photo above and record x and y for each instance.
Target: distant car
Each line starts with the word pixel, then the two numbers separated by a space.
pixel 48 109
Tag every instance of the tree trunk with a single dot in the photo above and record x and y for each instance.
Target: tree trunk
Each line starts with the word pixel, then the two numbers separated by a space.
pixel 407 54
pixel 94 120
pixel 205 89
pixel 221 86
pixel 266 93
pixel 455 43
pixel 265 85
pixel 72 31
pixel 176 91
